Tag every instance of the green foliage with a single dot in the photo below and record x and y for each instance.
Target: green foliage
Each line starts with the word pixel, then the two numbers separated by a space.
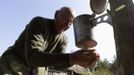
pixel 105 68
pixel 104 64
pixel 103 71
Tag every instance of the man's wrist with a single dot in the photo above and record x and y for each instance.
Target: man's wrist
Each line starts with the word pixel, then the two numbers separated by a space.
pixel 71 59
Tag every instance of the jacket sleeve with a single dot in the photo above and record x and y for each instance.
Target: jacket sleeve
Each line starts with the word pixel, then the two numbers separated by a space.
pixel 34 44
pixel 62 46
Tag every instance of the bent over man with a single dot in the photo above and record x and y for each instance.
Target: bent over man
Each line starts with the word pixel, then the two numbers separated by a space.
pixel 41 45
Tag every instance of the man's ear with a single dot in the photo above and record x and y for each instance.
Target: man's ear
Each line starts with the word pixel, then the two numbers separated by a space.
pixel 56 13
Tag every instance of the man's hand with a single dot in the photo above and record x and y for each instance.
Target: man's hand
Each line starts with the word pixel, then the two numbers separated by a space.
pixel 85 58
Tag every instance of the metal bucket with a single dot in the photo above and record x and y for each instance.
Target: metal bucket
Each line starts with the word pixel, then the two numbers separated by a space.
pixel 98 6
pixel 83 31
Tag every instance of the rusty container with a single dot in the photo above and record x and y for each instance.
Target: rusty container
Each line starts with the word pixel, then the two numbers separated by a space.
pixel 83 31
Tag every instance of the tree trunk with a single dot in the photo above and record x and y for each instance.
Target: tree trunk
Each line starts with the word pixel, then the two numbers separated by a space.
pixel 122 13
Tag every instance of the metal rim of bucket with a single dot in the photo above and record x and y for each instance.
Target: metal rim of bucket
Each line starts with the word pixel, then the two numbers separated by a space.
pixel 86 44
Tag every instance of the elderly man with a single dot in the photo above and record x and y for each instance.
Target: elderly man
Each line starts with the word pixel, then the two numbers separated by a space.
pixel 41 45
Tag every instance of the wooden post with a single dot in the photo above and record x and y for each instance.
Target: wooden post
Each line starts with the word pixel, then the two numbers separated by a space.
pixel 122 12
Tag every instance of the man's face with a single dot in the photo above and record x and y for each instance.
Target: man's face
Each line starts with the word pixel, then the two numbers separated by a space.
pixel 63 21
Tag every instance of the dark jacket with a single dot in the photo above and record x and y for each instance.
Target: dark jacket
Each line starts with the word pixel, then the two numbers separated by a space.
pixel 39 45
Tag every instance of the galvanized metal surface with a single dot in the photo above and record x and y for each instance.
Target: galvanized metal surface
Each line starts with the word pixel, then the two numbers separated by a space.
pixel 98 6
pixel 83 31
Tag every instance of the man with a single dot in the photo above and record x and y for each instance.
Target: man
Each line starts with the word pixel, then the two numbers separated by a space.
pixel 41 46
